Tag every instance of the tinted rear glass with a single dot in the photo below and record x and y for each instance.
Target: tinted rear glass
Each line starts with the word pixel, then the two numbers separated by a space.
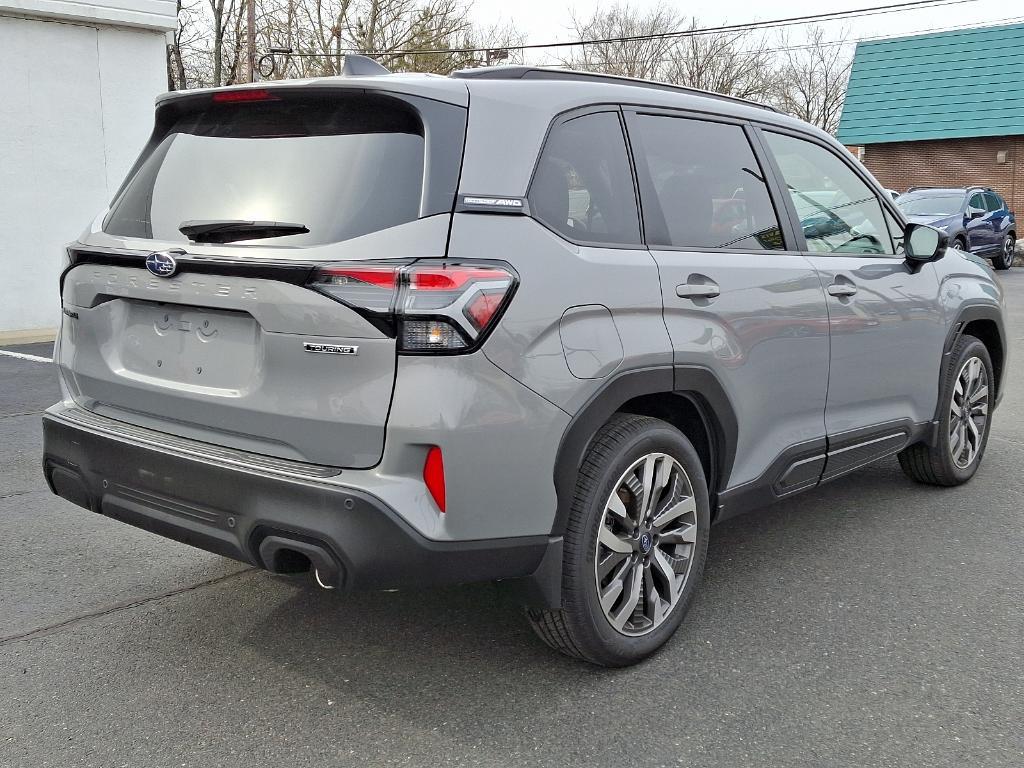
pixel 583 187
pixel 343 166
pixel 701 186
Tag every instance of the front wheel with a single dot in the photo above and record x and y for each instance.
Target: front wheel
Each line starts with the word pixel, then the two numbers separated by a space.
pixel 967 398
pixel 1004 259
pixel 960 244
pixel 634 544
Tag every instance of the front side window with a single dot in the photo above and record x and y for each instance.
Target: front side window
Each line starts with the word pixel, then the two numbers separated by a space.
pixel 992 202
pixel 838 211
pixel 583 187
pixel 701 186
pixel 977 201
pixel 897 233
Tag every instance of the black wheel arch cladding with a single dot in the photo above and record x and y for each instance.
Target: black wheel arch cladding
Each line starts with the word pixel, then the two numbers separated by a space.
pixel 697 386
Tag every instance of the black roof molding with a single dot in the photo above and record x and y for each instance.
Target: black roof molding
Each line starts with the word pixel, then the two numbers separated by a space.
pixel 519 72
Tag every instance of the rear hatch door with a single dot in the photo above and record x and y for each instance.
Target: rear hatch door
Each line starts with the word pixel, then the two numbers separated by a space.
pixel 222 341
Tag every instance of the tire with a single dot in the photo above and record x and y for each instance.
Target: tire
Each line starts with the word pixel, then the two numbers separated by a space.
pixel 951 461
pixel 1004 259
pixel 666 567
pixel 960 244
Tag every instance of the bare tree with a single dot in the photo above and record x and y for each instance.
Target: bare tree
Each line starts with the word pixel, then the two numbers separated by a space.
pixel 814 78
pixel 734 63
pixel 189 32
pixel 648 58
pixel 673 50
pixel 210 50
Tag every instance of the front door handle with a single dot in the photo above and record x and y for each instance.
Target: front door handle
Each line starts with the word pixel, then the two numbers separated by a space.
pixel 842 289
pixel 698 290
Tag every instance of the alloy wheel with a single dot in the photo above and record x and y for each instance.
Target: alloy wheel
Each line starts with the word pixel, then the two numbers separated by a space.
pixel 1009 245
pixel 968 412
pixel 645 544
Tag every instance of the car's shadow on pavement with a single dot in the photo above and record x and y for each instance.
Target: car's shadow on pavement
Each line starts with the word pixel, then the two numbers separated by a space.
pixel 833 568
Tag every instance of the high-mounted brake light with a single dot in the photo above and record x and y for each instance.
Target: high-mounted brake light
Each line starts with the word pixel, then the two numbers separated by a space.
pixel 432 306
pixel 246 94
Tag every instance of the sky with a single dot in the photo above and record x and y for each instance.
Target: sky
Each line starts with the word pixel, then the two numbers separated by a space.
pixel 545 21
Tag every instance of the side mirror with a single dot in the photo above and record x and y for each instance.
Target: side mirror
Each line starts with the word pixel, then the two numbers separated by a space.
pixel 974 213
pixel 923 243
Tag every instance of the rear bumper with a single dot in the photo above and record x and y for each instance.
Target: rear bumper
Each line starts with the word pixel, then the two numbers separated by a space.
pixel 224 506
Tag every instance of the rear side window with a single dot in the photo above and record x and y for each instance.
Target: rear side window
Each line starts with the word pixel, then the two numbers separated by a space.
pixel 838 211
pixel 342 165
pixel 583 187
pixel 701 186
pixel 992 202
pixel 977 201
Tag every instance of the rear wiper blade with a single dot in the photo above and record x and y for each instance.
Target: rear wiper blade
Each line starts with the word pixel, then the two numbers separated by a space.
pixel 230 230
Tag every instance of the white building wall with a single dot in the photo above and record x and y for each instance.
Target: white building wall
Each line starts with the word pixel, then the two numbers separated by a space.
pixel 77 106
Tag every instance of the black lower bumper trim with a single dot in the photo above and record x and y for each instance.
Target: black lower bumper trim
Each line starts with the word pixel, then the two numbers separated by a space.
pixel 231 512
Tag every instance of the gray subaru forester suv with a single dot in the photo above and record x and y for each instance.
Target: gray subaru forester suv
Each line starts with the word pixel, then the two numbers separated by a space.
pixel 523 325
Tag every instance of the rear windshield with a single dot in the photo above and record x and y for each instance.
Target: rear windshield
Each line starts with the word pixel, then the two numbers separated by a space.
pixel 930 203
pixel 342 166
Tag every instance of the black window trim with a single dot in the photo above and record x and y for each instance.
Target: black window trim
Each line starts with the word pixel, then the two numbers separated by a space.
pixel 789 235
pixel 573 114
pixel 885 200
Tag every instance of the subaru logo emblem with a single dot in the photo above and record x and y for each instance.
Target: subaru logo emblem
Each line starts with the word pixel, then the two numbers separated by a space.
pixel 645 542
pixel 162 264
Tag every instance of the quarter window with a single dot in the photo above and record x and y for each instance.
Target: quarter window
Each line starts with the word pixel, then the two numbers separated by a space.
pixel 701 186
pixel 977 201
pixel 838 211
pixel 583 186
pixel 992 202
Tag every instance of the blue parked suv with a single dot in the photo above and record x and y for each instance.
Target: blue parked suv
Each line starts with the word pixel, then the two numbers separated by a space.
pixel 976 219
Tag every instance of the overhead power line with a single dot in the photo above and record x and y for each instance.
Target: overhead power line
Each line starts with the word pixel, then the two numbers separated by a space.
pixel 877 10
pixel 872 38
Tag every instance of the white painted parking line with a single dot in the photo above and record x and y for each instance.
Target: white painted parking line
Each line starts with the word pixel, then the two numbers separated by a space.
pixel 23 356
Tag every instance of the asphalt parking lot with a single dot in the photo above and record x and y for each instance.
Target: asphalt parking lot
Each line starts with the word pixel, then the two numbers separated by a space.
pixel 872 622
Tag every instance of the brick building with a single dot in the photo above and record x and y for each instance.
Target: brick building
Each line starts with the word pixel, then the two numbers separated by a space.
pixel 943 109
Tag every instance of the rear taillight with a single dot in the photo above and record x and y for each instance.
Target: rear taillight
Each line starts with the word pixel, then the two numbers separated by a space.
pixel 432 307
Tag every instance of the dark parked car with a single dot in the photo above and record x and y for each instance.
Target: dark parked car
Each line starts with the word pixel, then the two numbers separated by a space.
pixel 976 219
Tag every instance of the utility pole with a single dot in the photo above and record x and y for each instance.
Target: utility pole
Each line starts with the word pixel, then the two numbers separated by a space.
pixel 251 33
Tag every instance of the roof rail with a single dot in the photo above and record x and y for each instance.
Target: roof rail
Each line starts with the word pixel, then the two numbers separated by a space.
pixel 519 72
pixel 966 188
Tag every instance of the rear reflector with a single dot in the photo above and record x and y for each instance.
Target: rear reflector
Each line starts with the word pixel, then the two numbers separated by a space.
pixel 248 94
pixel 433 476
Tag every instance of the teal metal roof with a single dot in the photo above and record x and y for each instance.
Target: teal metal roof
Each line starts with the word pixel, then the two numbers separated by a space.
pixel 957 84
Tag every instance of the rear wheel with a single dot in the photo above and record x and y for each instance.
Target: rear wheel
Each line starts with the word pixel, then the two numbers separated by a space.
pixel 959 243
pixel 634 545
pixel 1004 259
pixel 967 394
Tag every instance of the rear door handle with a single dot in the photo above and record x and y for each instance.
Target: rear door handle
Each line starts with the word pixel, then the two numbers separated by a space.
pixel 694 290
pixel 842 289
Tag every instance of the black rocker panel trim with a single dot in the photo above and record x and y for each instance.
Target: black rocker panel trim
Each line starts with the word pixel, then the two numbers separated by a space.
pixel 852 450
pixel 798 468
